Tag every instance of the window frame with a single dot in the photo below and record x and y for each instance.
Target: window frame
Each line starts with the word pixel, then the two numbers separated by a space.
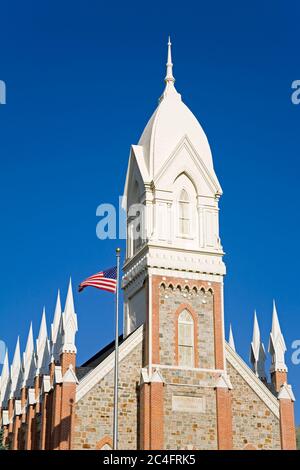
pixel 186 344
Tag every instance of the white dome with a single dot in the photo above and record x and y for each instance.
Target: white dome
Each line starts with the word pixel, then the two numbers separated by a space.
pixel 169 124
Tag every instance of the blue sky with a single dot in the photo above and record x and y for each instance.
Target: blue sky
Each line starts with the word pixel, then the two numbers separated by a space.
pixel 82 80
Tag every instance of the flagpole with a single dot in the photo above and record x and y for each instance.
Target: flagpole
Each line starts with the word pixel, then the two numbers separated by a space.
pixel 116 371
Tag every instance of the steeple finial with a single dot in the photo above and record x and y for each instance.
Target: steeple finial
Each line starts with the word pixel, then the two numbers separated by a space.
pixel 169 75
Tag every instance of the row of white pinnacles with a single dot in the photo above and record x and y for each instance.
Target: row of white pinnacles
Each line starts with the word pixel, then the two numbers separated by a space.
pixel 37 358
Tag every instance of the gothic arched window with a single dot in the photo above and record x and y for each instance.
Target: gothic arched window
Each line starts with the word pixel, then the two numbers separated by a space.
pixel 184 213
pixel 186 354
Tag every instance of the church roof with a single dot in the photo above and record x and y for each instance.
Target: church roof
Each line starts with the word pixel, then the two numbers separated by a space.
pixel 102 354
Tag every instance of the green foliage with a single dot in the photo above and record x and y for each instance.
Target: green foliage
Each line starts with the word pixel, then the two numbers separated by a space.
pixel 2 446
pixel 298 437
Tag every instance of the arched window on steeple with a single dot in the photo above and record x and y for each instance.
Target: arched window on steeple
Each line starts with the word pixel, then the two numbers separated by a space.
pixel 135 222
pixel 184 214
pixel 186 349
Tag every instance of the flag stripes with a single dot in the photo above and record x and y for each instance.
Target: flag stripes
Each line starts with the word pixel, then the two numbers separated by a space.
pixel 104 280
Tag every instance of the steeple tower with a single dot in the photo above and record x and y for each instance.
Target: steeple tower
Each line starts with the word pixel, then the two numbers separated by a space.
pixel 277 349
pixel 176 270
pixel 257 352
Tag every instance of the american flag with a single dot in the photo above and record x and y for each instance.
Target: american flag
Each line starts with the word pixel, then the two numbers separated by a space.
pixel 105 280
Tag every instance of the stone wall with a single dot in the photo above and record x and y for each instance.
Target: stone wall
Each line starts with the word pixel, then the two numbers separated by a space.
pixel 94 412
pixel 196 428
pixel 253 423
pixel 201 302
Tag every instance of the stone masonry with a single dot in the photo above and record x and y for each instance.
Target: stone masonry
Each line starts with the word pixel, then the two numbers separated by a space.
pixel 253 423
pixel 94 412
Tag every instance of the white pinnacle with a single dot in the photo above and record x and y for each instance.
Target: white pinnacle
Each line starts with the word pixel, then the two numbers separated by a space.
pixel 69 323
pixel 43 335
pixel 257 352
pixel 169 75
pixel 42 347
pixel 29 345
pixel 56 319
pixel 277 347
pixel 231 339
pixel 29 360
pixel 69 305
pixel 15 371
pixel 255 338
pixel 56 330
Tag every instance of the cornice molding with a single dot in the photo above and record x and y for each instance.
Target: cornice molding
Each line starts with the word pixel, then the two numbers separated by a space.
pixel 250 378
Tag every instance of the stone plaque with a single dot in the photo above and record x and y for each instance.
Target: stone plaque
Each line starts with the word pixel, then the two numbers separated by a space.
pixel 188 404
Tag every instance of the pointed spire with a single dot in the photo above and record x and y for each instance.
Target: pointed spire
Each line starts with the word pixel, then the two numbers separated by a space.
pixel 56 319
pixel 69 323
pixel 169 75
pixel 276 330
pixel 29 345
pixel 255 337
pixel 17 355
pixel 42 348
pixel 69 305
pixel 231 339
pixel 4 381
pixel 277 347
pixel 257 352
pixel 55 330
pixel 43 328
pixel 29 360
pixel 15 371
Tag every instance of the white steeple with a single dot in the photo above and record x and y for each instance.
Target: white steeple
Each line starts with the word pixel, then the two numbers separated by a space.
pixel 277 347
pixel 169 75
pixel 16 373
pixel 231 339
pixel 69 323
pixel 29 365
pixel 4 382
pixel 171 123
pixel 42 348
pixel 257 352
pixel 55 343
pixel 171 168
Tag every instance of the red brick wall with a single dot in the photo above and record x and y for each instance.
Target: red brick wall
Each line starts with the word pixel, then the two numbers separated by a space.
pixel 287 424
pixel 224 418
